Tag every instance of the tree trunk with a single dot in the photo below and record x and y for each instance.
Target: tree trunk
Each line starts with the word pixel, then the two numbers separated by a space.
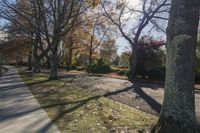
pixel 30 61
pixel 36 65
pixel 178 111
pixel 35 61
pixel 17 62
pixel 133 65
pixel 53 60
pixel 90 59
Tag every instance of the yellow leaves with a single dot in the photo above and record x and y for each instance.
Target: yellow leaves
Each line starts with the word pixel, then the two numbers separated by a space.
pixel 94 3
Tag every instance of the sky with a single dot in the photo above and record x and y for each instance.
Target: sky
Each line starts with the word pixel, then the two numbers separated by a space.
pixel 122 44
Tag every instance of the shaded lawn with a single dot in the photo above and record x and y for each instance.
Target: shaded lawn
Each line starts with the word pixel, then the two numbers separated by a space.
pixel 74 109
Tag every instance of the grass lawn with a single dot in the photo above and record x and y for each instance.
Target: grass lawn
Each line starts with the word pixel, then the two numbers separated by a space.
pixel 77 110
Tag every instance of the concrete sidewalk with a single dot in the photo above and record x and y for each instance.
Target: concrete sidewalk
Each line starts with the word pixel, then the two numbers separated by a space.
pixel 19 110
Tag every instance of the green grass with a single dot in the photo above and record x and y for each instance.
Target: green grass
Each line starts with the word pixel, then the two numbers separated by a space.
pixel 88 114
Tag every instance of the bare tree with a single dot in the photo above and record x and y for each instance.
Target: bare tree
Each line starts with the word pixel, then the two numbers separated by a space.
pixel 97 35
pixel 49 20
pixel 146 14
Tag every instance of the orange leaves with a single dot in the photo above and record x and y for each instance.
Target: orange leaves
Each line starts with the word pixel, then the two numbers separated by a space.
pixel 20 46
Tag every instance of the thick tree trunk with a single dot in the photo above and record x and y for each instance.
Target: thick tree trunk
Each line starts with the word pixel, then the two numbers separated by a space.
pixel 53 60
pixel 133 65
pixel 36 65
pixel 178 111
pixel 35 61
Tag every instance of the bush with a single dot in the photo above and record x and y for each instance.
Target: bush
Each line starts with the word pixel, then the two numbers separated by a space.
pixel 197 76
pixel 156 73
pixel 81 68
pixel 73 67
pixel 99 67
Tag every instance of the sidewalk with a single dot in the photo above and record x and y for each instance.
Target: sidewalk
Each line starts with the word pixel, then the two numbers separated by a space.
pixel 19 110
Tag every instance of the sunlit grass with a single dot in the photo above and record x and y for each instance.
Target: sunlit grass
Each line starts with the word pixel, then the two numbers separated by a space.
pixel 76 110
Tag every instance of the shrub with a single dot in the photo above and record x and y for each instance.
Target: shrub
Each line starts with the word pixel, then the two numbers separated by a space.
pixel 81 68
pixel 156 73
pixel 72 67
pixel 99 67
pixel 128 74
pixel 197 76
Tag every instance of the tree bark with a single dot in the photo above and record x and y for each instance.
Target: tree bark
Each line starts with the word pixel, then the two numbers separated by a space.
pixel 90 59
pixel 53 60
pixel 178 111
pixel 133 65
pixel 36 67
pixel 17 62
pixel 35 61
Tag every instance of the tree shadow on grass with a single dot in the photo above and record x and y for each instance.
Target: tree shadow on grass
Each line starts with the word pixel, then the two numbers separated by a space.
pixel 78 104
pixel 137 88
pixel 37 82
pixel 154 104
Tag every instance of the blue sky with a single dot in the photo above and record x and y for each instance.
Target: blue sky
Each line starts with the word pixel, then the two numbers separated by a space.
pixel 123 44
pixel 120 42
